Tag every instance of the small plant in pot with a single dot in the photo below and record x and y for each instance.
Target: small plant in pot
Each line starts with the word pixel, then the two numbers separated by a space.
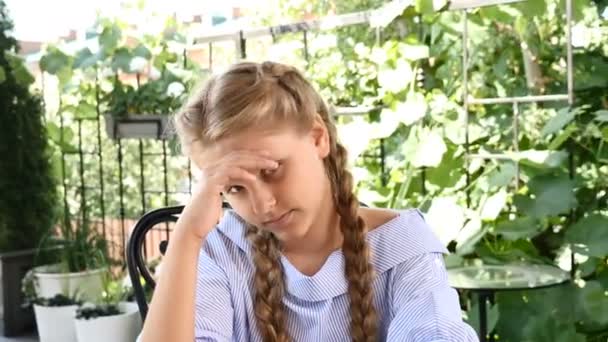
pixel 143 112
pixel 54 316
pixel 82 261
pixel 111 319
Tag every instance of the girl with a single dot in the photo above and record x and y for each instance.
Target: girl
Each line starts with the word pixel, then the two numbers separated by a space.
pixel 297 259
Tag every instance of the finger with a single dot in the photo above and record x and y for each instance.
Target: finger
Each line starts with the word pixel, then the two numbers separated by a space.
pixel 253 163
pixel 239 176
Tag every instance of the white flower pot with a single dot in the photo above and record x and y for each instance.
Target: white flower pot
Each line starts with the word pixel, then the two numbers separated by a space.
pixel 56 323
pixel 119 328
pixel 88 285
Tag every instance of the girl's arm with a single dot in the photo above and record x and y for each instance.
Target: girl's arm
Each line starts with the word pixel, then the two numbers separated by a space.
pixel 425 307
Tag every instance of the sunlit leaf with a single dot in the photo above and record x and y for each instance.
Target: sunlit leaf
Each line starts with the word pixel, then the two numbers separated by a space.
pixel 2 75
pixel 469 236
pixel 601 115
pixel 493 205
pixel 413 109
pixel 414 52
pixel 430 150
pixel 542 158
pixel 396 80
pixel 446 218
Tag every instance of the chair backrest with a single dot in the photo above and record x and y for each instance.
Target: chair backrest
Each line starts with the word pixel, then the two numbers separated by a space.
pixel 136 262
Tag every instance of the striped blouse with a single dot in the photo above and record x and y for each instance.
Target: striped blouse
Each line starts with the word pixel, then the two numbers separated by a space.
pixel 412 296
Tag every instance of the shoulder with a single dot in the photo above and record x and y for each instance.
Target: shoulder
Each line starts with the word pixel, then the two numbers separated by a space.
pixel 226 245
pixel 401 237
pixel 376 217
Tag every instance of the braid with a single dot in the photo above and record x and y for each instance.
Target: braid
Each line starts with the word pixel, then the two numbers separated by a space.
pixel 358 269
pixel 269 285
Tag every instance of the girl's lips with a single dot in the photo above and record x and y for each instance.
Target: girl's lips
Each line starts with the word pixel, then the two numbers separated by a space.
pixel 280 221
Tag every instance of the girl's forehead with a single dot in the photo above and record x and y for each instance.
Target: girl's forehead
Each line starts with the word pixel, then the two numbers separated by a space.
pixel 277 142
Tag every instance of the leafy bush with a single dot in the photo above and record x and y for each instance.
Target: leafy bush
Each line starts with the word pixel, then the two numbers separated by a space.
pixel 28 193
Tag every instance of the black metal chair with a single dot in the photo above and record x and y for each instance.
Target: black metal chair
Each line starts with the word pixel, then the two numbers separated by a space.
pixel 136 262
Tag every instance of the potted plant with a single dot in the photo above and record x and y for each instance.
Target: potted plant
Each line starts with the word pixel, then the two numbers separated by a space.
pixel 28 193
pixel 112 319
pixel 143 112
pixel 82 261
pixel 54 316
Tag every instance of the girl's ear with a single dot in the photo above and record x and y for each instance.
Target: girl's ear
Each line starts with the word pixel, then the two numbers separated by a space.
pixel 320 137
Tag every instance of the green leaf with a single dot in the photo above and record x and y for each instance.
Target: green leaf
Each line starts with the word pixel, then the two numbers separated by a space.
pixel 590 235
pixel 578 7
pixel 109 38
pixel 2 74
pixel 19 70
pixel 503 175
pixel 86 110
pixel 563 117
pixel 595 302
pixel 605 133
pixel 533 8
pixel 548 329
pixel 521 25
pixel 601 115
pixel 424 6
pixel 414 52
pixel 85 58
pixel 522 227
pixel 493 314
pixel 562 137
pixel 54 61
pixel 142 51
pixel 550 195
pixel 448 172
pixel 53 131
pixel 122 59
pixel 498 13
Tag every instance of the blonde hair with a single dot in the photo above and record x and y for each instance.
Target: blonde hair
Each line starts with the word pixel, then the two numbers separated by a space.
pixel 253 95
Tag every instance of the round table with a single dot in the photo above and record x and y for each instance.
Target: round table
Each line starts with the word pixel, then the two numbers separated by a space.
pixel 486 280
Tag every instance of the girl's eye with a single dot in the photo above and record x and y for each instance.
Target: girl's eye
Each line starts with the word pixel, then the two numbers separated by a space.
pixel 270 172
pixel 234 189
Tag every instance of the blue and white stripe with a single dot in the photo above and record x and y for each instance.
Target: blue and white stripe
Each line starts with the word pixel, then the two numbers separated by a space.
pixel 413 298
